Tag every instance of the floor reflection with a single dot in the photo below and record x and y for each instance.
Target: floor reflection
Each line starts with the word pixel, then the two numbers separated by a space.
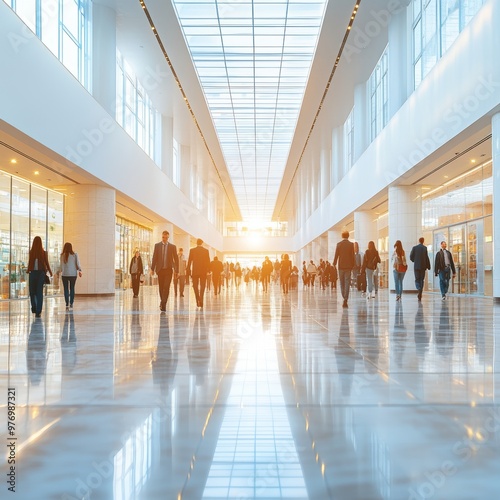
pixel 255 396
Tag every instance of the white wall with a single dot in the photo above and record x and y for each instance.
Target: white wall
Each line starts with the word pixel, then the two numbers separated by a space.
pixel 42 99
pixel 462 88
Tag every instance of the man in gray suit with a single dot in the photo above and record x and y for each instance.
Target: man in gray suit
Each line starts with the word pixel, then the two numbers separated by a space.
pixel 420 258
pixel 199 259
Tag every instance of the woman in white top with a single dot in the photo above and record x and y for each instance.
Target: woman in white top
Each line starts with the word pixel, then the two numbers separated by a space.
pixel 70 269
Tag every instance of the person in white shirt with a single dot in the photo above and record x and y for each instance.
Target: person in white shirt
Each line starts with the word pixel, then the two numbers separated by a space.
pixel 312 270
pixel 70 269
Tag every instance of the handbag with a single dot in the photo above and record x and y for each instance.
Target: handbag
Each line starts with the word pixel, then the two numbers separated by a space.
pixel 46 280
pixel 401 268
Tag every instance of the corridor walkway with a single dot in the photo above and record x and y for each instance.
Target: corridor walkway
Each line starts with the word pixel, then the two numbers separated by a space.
pixel 256 396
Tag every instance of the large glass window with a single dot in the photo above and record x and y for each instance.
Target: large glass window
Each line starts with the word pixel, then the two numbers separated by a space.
pixel 135 111
pixel 20 238
pixel 5 181
pixel 26 211
pixel 55 235
pixel 436 25
pixel 379 96
pixel 348 142
pixel 128 237
pixel 38 212
pixel 63 26
pixel 459 212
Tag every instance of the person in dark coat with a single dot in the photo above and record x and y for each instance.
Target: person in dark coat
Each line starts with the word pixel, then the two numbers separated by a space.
pixel 198 267
pixel 165 263
pixel 444 267
pixel 344 255
pixel 38 266
pixel 216 268
pixel 421 263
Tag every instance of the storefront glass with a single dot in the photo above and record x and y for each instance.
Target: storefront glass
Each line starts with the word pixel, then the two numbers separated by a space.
pixel 130 236
pixel 459 213
pixel 55 243
pixel 20 238
pixel 5 181
pixel 26 211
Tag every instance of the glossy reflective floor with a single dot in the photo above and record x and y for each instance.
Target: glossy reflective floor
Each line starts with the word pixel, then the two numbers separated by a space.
pixel 256 396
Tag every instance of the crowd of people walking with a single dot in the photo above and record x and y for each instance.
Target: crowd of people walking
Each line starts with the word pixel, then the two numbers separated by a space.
pixel 351 267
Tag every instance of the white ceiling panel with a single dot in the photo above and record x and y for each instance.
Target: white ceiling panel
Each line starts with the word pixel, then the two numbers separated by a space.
pixel 253 59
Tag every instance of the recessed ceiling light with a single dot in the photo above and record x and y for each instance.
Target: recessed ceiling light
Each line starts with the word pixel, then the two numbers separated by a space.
pixel 13 160
pixel 36 172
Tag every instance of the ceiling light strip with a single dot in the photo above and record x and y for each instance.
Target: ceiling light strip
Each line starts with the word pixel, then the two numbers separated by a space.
pixel 184 96
pixel 327 88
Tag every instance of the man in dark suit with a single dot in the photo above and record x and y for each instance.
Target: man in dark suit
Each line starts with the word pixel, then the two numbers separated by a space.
pixel 198 267
pixel 344 255
pixel 216 268
pixel 165 262
pixel 444 267
pixel 421 263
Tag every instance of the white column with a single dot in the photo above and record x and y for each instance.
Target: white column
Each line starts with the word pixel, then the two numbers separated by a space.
pixel 167 143
pixel 398 56
pixel 365 228
pixel 90 225
pixel 405 224
pixel 183 240
pixel 323 247
pixel 333 238
pixel 104 57
pixel 158 229
pixel 495 145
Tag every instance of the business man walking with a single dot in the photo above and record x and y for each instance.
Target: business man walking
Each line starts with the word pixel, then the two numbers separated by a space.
pixel 344 256
pixel 198 267
pixel 165 263
pixel 421 263
pixel 444 267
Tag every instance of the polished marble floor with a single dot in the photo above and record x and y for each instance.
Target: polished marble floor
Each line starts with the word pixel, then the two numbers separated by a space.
pixel 255 396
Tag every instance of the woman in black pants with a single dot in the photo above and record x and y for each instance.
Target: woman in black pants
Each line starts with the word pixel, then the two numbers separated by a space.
pixel 38 265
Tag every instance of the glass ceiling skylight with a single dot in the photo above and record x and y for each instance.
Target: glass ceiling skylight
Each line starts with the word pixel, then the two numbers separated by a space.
pixel 253 59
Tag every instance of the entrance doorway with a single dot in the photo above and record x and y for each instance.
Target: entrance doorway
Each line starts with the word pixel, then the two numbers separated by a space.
pixel 465 242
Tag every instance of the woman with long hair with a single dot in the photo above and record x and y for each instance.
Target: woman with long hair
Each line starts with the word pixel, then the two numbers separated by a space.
pixel 400 266
pixel 70 269
pixel 371 260
pixel 38 265
pixel 285 271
